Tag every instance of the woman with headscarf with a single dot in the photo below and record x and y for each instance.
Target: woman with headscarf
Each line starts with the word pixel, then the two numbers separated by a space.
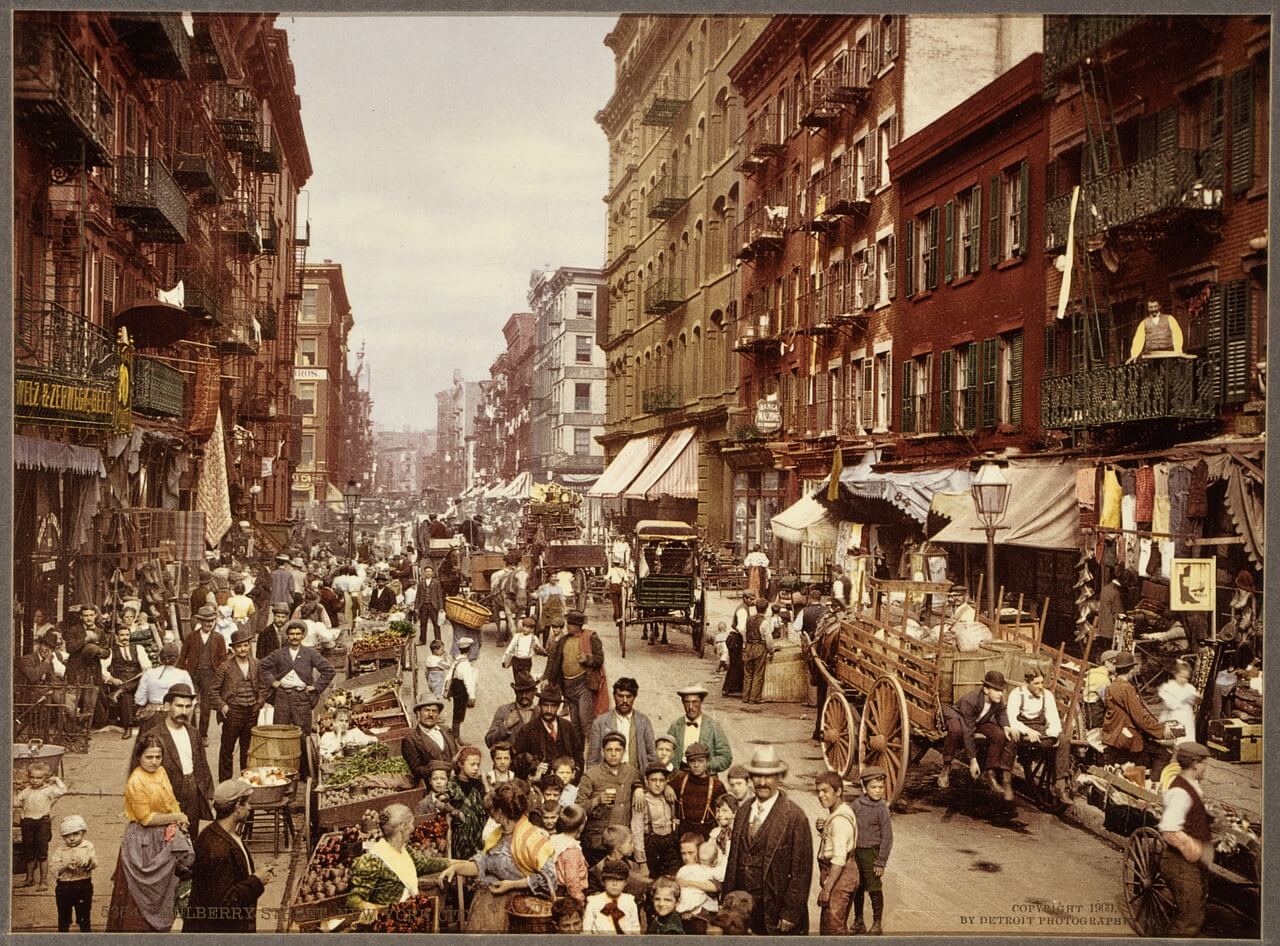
pixel 466 795
pixel 520 860
pixel 388 872
pixel 154 849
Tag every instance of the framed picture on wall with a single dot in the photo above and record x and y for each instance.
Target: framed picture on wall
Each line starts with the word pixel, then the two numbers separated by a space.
pixel 1193 585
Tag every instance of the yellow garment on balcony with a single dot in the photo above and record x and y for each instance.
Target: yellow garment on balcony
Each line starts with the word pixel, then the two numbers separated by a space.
pixel 1140 338
pixel 1111 497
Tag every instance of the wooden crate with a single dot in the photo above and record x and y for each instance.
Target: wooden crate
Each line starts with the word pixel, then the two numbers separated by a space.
pixel 342 816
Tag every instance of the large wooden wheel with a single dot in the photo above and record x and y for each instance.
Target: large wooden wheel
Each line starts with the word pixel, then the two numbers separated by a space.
pixel 884 735
pixel 1147 896
pixel 838 727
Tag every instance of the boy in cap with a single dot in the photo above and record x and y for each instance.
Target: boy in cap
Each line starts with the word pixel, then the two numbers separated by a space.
pixel 837 865
pixel 72 866
pixel 1185 827
pixel 654 828
pixel 460 682
pixel 697 792
pixel 225 897
pixel 981 711
pixel 874 842
pixel 613 910
pixel 664 748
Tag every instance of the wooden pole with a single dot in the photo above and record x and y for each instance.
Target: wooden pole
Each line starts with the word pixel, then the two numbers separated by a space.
pixel 1084 669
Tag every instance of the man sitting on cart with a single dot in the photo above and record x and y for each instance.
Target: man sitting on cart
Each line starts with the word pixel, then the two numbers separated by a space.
pixel 981 711
pixel 1034 719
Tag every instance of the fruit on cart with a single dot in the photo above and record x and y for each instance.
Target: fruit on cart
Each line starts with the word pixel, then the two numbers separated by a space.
pixel 330 866
pixel 266 776
pixel 431 834
pixel 331 798
pixel 415 915
pixel 371 645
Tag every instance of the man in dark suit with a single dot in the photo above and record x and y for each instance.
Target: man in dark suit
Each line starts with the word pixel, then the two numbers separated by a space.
pixel 383 599
pixel 511 716
pixel 225 899
pixel 203 651
pixel 239 693
pixel 430 602
pixel 429 742
pixel 546 737
pixel 297 675
pixel 982 711
pixel 36 668
pixel 184 756
pixel 771 852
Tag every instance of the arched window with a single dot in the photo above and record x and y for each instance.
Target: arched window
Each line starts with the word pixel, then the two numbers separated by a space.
pixel 668 378
pixel 696 363
pixel 696 256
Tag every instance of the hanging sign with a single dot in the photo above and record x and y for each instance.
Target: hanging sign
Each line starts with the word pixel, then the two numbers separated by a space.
pixel 768 415
pixel 1193 585
pixel 63 402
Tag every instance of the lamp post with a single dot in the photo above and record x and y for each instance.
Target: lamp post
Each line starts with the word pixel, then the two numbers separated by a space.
pixel 990 490
pixel 351 500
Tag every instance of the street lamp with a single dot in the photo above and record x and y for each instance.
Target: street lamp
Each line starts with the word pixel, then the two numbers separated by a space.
pixel 990 490
pixel 351 500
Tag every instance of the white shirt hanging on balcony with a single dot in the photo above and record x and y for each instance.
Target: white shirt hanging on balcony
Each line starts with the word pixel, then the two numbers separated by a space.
pixel 256 329
pixel 175 296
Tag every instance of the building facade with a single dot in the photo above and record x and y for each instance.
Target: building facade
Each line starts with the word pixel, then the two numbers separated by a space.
pixel 568 384
pixel 456 409
pixel 157 162
pixel 512 375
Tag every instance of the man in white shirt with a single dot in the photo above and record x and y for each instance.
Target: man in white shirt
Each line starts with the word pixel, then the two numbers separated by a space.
pixel 156 682
pixel 1188 853
pixel 633 725
pixel 184 756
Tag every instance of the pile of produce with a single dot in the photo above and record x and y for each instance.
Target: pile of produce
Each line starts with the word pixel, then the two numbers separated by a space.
pixel 343 699
pixel 372 760
pixel 371 645
pixel 333 797
pixel 329 873
pixel 266 777
pixel 401 628
pixel 387 686
pixel 415 915
pixel 432 834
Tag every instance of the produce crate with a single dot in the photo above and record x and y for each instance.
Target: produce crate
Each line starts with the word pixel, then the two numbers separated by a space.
pixel 340 816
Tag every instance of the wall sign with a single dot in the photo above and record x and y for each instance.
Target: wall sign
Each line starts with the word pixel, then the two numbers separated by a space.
pixel 1194 584
pixel 768 415
pixel 64 403
pixel 311 374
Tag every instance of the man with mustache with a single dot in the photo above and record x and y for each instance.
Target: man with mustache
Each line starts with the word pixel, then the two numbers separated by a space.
pixel 184 756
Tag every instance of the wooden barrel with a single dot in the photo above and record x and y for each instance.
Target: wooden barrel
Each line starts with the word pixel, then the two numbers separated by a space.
pixel 279 746
pixel 786 676
pixel 967 671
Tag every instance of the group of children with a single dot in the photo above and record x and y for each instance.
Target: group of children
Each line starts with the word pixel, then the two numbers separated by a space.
pixel 72 865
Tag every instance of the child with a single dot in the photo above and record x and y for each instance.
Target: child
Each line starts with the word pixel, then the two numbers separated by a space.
pixel 665 747
pixel 619 846
pixel 653 823
pixel 722 833
pixel 571 865
pixel 437 666
pixel 500 755
pixel 460 682
pixel 567 915
pixel 564 769
pixel 698 887
pixel 875 840
pixel 722 647
pixel 524 644
pixel 612 911
pixel 36 804
pixel 73 865
pixel 436 800
pixel 664 897
pixel 837 867
pixel 697 792
pixel 739 783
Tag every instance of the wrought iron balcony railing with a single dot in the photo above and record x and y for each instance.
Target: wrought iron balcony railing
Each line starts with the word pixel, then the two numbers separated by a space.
pixel 210 48
pixel 150 200
pixel 838 192
pixel 760 142
pixel 662 398
pixel 157 42
pixel 239 224
pixel 57 98
pixel 669 194
pixel 268 321
pixel 1175 182
pixel 156 388
pixel 844 81
pixel 662 296
pixel 238 117
pixel 241 333
pixel 669 96
pixel 52 340
pixel 1155 389
pixel 200 295
pixel 197 165
pixel 761 230
pixel 266 159
pixel 839 300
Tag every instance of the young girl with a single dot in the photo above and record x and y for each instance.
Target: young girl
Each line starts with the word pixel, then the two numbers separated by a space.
pixel 35 803
pixel 524 645
pixel 1180 698
pixel 726 809
pixel 436 667
pixel 436 800
pixel 564 769
pixel 500 756
pixel 571 865
pixel 73 865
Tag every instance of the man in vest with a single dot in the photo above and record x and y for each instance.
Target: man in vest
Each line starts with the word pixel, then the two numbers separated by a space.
pixel 240 694
pixel 298 675
pixel 1188 852
pixel 202 654
pixel 122 669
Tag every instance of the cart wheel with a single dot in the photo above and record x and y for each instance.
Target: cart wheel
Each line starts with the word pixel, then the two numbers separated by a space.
pixel 699 628
pixel 884 734
pixel 1146 894
pixel 838 723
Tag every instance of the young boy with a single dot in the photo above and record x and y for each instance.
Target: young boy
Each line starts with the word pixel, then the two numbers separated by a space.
pixel 36 805
pixel 697 792
pixel 664 896
pixel 564 769
pixel 524 644
pixel 722 833
pixel 665 747
pixel 698 887
pixel 837 867
pixel 875 841
pixel 567 915
pixel 614 910
pixel 73 865
pixel 436 800
pixel 619 846
pixel 653 823
pixel 461 682
pixel 739 782
pixel 544 795
pixel 435 668
pixel 571 865
pixel 500 756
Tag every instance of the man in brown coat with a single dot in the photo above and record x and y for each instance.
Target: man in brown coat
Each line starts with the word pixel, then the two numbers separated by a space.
pixel 203 651
pixel 429 742
pixel 239 693
pixel 1129 729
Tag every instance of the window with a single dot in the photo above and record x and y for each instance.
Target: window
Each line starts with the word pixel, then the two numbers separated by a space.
pixel 866 406
pixel 583 349
pixel 887 38
pixel 1009 410
pixel 917 403
pixel 885 257
pixel 886 138
pixel 308 457
pixel 1008 212
pixel 586 305
pixel 883 382
pixel 307 398
pixel 582 397
pixel 959 390
pixel 581 441
pixel 307 352
pixel 921 257
pixel 968 230
pixel 309 296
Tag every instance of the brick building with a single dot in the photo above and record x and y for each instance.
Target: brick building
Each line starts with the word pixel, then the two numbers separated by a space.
pixel 512 374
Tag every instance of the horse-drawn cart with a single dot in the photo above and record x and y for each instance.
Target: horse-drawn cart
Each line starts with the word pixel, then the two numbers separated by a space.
pixel 668 589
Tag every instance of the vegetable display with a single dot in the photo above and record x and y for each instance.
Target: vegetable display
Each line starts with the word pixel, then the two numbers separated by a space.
pixel 431 834
pixel 372 760
pixel 415 915
pixel 329 872
pixel 401 628
pixel 371 645
pixel 332 798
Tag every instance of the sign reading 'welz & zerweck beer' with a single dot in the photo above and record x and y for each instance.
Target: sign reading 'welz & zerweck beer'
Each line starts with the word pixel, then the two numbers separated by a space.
pixel 63 403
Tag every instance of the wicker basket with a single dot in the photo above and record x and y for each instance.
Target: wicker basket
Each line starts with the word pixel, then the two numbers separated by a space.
pixel 526 914
pixel 466 612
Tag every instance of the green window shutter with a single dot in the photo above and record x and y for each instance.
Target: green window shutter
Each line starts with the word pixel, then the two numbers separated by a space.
pixel 1051 350
pixel 990 378
pixel 970 356
pixel 1015 379
pixel 1024 206
pixel 993 202
pixel 1236 363
pixel 931 265
pixel 1241 130
pixel 949 243
pixel 1167 129
pixel 975 230
pixel 946 423
pixel 908 262
pixel 907 421
pixel 1213 341
pixel 1217 132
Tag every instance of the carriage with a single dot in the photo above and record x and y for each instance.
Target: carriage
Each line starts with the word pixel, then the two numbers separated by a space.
pixel 668 589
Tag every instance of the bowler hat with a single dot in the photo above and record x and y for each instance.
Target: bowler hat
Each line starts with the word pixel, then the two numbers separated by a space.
pixel 428 701
pixel 282 557
pixel 993 679
pixel 280 609
pixel 524 682
pixel 765 761
pixel 207 612
pixel 179 689
pixel 49 638
pixel 1244 581
pixel 1124 660
pixel 550 693
pixel 242 635
pixel 576 618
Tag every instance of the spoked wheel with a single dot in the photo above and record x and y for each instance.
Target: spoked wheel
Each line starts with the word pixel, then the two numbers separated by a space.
pixel 1040 771
pixel 1147 896
pixel 839 724
pixel 884 734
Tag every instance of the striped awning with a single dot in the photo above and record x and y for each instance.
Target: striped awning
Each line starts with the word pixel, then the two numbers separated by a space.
pixel 673 471
pixel 631 459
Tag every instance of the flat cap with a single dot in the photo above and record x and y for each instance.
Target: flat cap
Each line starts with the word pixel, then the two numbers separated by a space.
pixel 233 789
pixel 613 737
pixel 179 689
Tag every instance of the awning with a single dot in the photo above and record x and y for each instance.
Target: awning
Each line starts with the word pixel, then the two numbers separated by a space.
pixel 909 492
pixel 1042 511
pixel 805 522
pixel 154 323
pixel 673 471
pixel 519 487
pixel 635 453
pixel 36 453
pixel 494 491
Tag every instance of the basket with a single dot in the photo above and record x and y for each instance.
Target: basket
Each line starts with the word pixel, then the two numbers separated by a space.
pixel 466 612
pixel 786 677
pixel 278 746
pixel 526 914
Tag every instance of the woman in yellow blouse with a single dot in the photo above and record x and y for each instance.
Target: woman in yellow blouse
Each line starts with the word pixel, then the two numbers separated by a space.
pixel 155 846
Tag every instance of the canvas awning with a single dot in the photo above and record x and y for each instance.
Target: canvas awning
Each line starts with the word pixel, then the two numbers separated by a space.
pixel 909 492
pixel 519 487
pixel 35 453
pixel 673 471
pixel 631 459
pixel 1042 511
pixel 805 522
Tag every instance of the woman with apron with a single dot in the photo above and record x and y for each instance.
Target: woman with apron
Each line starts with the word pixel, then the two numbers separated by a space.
pixel 388 871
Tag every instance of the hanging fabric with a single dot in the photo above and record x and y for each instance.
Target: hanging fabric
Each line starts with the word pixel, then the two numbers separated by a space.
pixel 1109 518
pixel 1198 491
pixel 1146 492
pixel 1179 483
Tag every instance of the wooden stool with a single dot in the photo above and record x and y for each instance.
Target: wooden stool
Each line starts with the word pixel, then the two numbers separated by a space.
pixel 281 821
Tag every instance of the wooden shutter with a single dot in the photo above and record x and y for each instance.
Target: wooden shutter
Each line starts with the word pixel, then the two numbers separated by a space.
pixel 1015 379
pixel 1237 368
pixel 975 230
pixel 949 241
pixel 908 260
pixel 868 393
pixel 873 165
pixel 931 251
pixel 1167 129
pixel 1213 341
pixel 1051 350
pixel 990 380
pixel 891 265
pixel 875 46
pixel 891 38
pixel 970 356
pixel 993 202
pixel 946 423
pixel 908 421
pixel 869 289
pixel 1217 128
pixel 1024 206
pixel 1241 130
pixel 1146 137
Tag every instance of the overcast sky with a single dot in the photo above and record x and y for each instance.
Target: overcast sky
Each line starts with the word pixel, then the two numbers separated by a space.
pixel 451 156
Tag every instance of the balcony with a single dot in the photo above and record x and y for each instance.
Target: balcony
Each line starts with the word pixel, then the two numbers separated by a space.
pixel 241 334
pixel 200 297
pixel 760 142
pixel 157 43
pixel 148 198
pixel 669 194
pixel 57 98
pixel 1156 389
pixel 239 224
pixel 258 407
pixel 662 296
pixel 845 81
pixel 1147 197
pixel 667 100
pixel 157 389
pixel 761 231
pixel 838 193
pixel 210 49
pixel 51 340
pixel 266 159
pixel 198 167
pixel 659 400
pixel 1070 39
pixel 236 113
pixel 839 302
pixel 268 322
